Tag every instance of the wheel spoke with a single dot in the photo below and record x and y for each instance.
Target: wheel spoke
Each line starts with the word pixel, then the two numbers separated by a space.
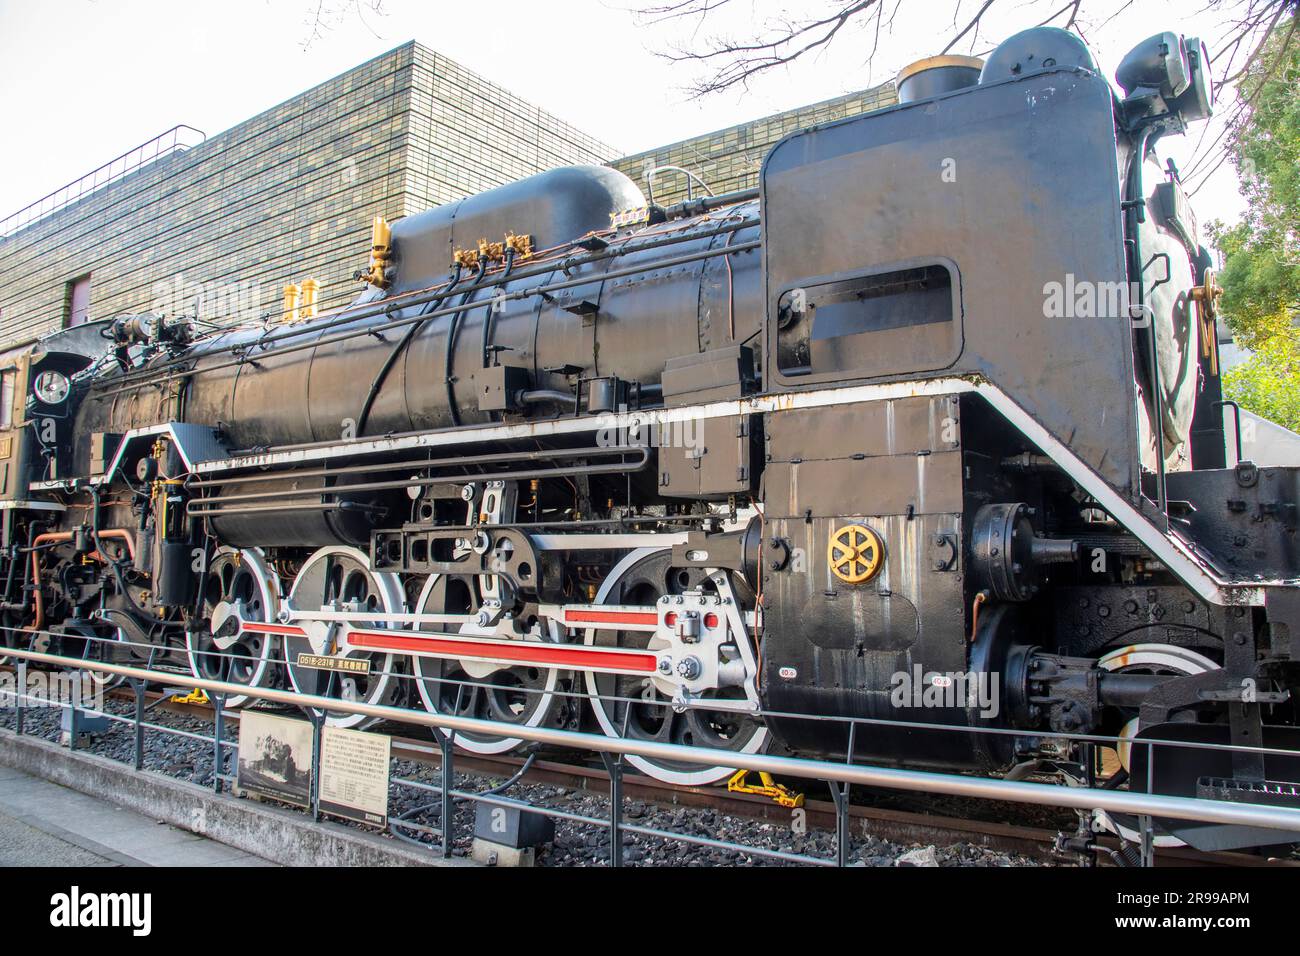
pixel 516 695
pixel 641 579
pixel 241 576
pixel 343 574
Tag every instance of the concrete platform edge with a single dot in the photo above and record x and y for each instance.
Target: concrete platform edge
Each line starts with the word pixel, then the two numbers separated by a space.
pixel 273 833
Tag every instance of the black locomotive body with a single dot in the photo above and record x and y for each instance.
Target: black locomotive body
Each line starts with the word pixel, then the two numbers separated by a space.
pixel 927 430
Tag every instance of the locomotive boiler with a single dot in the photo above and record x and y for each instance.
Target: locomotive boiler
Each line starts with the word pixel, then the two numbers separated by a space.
pixel 913 454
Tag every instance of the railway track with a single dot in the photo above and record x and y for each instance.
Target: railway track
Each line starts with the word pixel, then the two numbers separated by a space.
pixel 899 826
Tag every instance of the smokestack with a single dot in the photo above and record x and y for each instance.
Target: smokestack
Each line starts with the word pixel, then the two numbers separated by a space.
pixel 936 75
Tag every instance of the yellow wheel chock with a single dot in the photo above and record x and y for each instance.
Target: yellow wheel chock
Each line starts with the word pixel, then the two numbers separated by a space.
pixel 768 787
pixel 196 696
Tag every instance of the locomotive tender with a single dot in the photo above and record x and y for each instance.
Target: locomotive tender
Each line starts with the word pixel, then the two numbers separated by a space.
pixel 936 407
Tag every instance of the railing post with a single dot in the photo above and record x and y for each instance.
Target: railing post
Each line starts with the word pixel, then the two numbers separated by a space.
pixel 317 721
pixel 219 729
pixel 840 795
pixel 20 692
pixel 615 767
pixel 1145 820
pixel 446 819
pixel 138 687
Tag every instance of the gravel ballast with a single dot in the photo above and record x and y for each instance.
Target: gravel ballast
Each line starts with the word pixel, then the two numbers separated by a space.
pixel 576 844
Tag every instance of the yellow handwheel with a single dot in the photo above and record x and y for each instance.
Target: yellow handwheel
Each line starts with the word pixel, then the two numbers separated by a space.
pixel 855 553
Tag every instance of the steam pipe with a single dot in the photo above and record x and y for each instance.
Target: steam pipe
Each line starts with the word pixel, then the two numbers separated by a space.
pixel 63 537
pixel 537 395
pixel 451 342
pixel 397 350
pixel 150 376
pixel 698 207
pixel 197 508
pixel 540 454
pixel 487 319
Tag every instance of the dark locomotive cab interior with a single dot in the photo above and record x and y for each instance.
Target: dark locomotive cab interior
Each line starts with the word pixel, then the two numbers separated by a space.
pixel 897 317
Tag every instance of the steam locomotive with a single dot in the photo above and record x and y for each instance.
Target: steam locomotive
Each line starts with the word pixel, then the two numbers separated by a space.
pixel 924 432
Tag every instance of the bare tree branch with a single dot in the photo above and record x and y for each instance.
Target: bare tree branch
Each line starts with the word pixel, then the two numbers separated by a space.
pixel 785 42
pixel 725 62
pixel 974 24
pixel 1211 160
pixel 782 38
pixel 324 15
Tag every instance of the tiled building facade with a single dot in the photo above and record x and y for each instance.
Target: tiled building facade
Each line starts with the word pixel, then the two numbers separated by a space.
pixel 218 230
pixel 730 159
pixel 284 196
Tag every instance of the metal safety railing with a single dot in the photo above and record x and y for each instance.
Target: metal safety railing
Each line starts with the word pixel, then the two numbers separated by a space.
pixel 176 139
pixel 840 776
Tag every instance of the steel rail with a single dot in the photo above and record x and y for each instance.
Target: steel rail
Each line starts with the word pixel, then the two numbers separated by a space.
pixel 1079 798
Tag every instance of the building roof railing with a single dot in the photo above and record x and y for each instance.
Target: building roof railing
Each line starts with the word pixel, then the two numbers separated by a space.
pixel 177 139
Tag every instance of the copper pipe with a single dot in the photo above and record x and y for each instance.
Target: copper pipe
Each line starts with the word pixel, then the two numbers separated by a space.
pixel 980 598
pixel 62 537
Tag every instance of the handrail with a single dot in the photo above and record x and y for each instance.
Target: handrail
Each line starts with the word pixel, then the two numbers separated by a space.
pixel 702 703
pixel 176 139
pixel 1079 798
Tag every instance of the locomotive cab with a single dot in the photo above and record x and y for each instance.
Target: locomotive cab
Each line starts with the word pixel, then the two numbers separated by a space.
pixel 1042 380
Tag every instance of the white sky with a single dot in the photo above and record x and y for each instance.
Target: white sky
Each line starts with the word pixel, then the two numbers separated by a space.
pixel 85 80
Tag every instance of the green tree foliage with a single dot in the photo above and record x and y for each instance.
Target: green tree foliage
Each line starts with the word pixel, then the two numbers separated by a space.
pixel 1268 384
pixel 1261 274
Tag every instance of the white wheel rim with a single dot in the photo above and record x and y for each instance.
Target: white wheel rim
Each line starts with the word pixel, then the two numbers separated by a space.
pixel 1178 659
pixel 691 778
pixel 427 694
pixel 268 587
pixel 105 680
pixel 384 682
